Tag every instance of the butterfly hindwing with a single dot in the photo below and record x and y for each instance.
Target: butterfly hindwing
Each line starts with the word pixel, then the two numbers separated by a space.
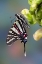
pixel 12 36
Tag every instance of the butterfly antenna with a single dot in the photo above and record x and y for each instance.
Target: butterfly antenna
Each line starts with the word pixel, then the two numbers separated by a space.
pixel 24 50
pixel 12 19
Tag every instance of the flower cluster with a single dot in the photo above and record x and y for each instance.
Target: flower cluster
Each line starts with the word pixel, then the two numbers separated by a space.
pixel 34 14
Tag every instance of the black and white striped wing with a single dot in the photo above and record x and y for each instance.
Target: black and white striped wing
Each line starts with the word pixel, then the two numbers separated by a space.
pixel 15 31
pixel 11 37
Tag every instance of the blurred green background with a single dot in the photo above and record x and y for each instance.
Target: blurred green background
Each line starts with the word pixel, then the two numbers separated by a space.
pixel 34 49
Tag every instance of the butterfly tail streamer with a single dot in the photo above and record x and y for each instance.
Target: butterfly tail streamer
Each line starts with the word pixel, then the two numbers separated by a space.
pixel 24 50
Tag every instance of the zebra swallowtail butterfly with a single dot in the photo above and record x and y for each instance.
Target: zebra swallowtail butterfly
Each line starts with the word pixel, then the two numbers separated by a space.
pixel 18 31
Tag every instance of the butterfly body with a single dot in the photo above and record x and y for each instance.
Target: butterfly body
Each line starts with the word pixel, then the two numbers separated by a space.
pixel 18 31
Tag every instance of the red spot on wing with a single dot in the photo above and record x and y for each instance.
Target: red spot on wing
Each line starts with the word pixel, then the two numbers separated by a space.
pixel 25 35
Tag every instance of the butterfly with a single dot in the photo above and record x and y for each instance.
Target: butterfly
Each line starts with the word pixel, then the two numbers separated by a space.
pixel 18 31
